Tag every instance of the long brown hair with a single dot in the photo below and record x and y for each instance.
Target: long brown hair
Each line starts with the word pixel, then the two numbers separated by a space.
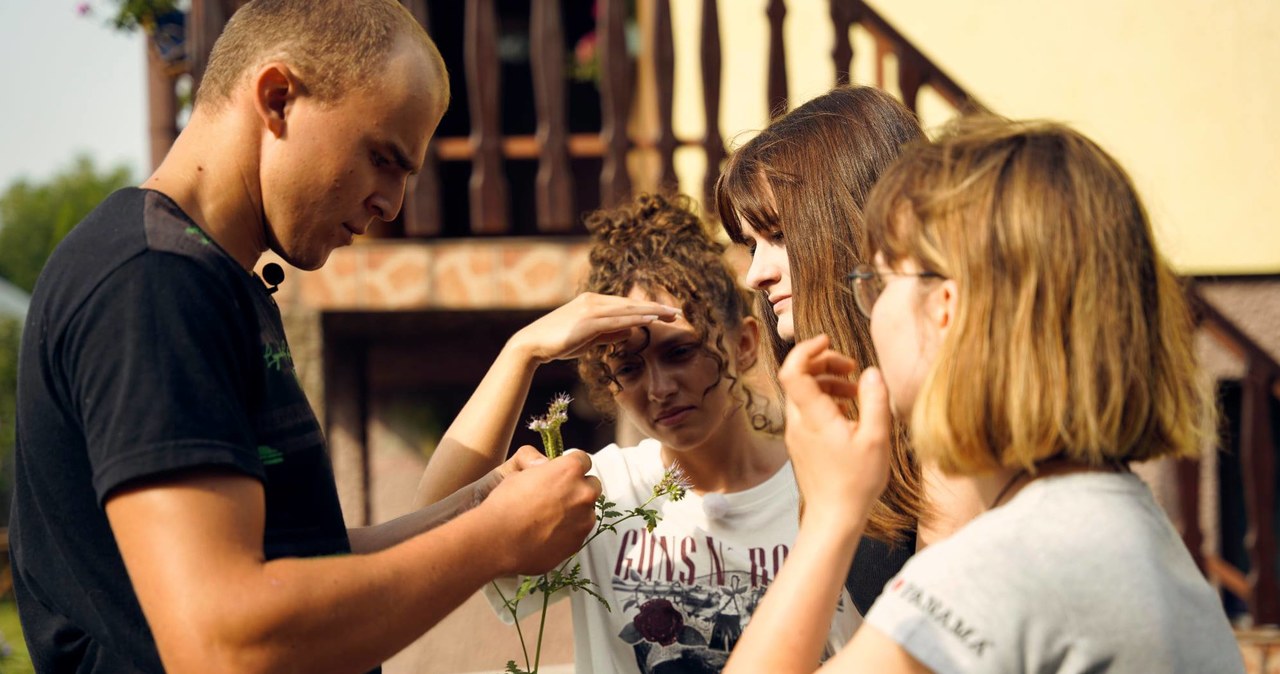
pixel 1072 336
pixel 808 176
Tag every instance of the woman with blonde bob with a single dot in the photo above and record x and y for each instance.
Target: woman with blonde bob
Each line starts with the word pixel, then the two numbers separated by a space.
pixel 1038 344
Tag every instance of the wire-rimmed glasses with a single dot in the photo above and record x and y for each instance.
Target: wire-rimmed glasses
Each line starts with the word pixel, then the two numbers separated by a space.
pixel 869 283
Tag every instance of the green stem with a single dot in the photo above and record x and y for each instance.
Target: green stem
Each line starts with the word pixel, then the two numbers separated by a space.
pixel 552 442
pixel 537 656
pixel 546 596
pixel 515 617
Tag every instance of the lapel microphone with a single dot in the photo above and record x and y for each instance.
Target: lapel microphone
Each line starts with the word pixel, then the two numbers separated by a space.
pixel 272 275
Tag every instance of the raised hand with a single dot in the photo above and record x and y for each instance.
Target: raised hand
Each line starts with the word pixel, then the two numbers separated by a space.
pixel 841 466
pixel 585 321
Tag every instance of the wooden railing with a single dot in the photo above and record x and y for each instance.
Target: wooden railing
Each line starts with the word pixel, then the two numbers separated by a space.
pixel 487 148
pixel 553 146
pixel 1260 389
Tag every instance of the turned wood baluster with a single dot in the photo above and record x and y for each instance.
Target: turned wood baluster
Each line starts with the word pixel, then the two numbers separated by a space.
pixel 422 216
pixel 488 184
pixel 615 101
pixel 162 106
pixel 712 141
pixel 842 17
pixel 664 65
pixel 911 76
pixel 554 186
pixel 1187 476
pixel 205 20
pixel 1258 468
pixel 777 87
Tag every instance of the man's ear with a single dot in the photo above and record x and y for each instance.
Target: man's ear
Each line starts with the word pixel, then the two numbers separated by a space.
pixel 275 88
pixel 748 344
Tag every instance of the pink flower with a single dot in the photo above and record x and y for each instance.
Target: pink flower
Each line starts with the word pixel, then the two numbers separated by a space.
pixel 585 51
pixel 83 9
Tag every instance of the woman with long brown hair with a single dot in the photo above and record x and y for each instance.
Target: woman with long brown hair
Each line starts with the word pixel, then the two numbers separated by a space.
pixel 794 195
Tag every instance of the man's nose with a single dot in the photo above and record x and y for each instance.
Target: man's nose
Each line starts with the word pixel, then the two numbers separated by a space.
pixel 385 204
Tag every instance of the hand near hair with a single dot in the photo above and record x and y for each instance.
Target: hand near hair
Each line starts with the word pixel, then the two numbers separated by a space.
pixel 841 466
pixel 585 321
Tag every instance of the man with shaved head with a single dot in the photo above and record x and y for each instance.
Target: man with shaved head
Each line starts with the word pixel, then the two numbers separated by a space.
pixel 174 507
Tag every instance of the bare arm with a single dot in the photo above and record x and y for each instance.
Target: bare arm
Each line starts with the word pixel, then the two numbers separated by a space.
pixel 478 438
pixel 841 467
pixel 193 547
pixel 382 536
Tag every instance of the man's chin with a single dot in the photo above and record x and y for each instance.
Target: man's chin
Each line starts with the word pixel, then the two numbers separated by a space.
pixel 309 262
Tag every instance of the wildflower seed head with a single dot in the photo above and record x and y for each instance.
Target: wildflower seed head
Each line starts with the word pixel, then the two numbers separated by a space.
pixel 675 483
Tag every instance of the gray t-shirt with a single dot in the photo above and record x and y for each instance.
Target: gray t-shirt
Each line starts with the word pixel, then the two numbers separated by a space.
pixel 1077 573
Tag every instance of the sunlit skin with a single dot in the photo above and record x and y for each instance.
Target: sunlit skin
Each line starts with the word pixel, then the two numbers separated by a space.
pixel 669 391
pixel 338 167
pixel 770 273
pixel 308 175
pixel 906 340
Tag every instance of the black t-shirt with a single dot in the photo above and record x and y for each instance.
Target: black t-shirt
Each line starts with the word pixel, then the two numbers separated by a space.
pixel 875 563
pixel 147 350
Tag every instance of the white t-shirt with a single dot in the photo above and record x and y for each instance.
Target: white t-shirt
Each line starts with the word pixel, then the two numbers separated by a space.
pixel 682 595
pixel 1077 573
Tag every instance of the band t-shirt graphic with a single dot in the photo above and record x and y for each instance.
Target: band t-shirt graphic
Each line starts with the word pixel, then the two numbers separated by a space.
pixel 681 595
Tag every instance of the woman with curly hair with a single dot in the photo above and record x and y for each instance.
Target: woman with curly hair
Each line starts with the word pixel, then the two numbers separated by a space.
pixel 680 594
pixel 1037 342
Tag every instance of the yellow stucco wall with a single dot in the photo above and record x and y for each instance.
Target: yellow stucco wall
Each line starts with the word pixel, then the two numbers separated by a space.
pixel 1186 94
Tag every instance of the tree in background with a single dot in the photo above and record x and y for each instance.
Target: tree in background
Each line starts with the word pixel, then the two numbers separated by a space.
pixel 10 330
pixel 34 216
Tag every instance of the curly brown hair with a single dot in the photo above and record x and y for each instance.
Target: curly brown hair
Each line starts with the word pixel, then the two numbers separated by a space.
pixel 658 243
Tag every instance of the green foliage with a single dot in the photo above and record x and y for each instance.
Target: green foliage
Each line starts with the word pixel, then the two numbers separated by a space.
pixel 135 14
pixel 674 485
pixel 10 332
pixel 16 661
pixel 35 216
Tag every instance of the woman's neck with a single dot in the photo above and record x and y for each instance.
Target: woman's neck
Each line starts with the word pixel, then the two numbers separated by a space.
pixel 954 500
pixel 736 458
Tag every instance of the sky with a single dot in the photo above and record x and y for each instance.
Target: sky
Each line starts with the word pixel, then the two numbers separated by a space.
pixel 69 84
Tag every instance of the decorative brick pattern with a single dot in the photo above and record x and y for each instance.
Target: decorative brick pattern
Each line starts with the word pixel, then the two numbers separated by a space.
pixel 474 274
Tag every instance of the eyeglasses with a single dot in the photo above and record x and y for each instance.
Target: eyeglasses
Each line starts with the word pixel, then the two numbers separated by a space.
pixel 869 283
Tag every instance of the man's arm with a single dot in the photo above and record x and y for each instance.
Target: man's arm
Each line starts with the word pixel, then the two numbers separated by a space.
pixel 478 438
pixel 193 548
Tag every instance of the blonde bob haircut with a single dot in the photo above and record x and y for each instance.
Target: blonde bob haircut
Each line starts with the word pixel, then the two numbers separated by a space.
pixel 335 45
pixel 1072 337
